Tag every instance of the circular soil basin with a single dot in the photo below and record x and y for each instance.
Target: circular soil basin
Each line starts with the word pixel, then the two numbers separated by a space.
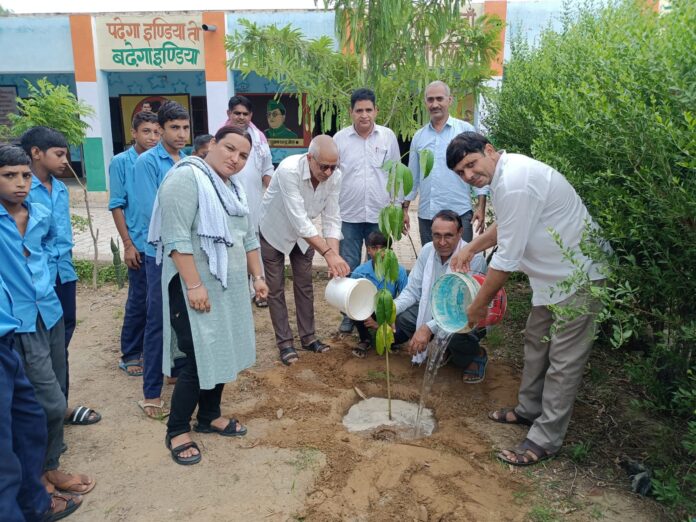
pixel 370 417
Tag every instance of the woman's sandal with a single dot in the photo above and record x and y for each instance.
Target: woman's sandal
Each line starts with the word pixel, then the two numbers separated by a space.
pixel 526 454
pixel 176 452
pixel 360 351
pixel 229 431
pixel 288 356
pixel 62 505
pixel 501 416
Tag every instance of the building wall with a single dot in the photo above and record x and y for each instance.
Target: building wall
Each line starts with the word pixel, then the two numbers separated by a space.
pixel 34 44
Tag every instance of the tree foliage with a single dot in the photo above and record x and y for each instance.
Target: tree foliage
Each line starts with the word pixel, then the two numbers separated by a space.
pixel 395 47
pixel 52 106
pixel 609 101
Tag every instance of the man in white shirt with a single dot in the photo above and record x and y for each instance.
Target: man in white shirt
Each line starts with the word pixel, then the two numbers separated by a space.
pixel 533 203
pixel 363 148
pixel 414 318
pixel 441 189
pixel 256 174
pixel 303 187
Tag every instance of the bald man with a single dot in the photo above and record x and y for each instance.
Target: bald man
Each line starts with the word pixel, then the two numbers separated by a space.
pixel 303 187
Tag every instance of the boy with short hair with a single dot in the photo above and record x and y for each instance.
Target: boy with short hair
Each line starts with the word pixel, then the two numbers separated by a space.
pixel 48 150
pixel 375 242
pixel 150 169
pixel 145 132
pixel 40 337
pixel 201 145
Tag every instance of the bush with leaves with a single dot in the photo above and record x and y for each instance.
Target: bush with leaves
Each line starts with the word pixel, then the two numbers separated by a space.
pixel 610 102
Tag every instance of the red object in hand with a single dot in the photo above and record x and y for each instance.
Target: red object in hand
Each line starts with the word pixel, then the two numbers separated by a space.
pixel 496 308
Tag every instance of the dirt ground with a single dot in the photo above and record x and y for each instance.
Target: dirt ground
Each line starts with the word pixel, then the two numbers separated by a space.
pixel 298 462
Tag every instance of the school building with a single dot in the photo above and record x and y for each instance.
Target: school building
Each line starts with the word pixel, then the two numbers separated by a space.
pixel 120 62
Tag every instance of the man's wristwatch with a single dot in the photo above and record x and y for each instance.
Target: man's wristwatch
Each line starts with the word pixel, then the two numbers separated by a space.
pixel 259 278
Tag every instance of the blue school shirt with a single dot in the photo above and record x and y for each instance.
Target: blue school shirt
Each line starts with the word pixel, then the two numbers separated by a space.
pixel 8 324
pixel 148 173
pixel 121 189
pixel 60 247
pixel 28 278
pixel 367 271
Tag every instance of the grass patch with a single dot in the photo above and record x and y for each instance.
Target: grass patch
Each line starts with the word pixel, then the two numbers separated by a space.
pixel 377 375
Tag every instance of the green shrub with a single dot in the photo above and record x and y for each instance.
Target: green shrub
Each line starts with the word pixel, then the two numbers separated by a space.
pixel 106 273
pixel 610 102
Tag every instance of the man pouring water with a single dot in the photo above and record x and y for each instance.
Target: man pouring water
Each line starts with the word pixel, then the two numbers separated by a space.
pixel 532 203
pixel 414 320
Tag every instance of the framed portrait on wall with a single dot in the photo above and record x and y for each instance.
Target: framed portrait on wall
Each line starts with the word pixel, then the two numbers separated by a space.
pixel 281 120
pixel 131 104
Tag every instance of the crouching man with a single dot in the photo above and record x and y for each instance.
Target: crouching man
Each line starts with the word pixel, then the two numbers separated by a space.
pixel 414 320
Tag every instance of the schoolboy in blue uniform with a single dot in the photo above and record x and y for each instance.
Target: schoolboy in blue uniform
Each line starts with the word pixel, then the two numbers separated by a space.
pixel 375 242
pixel 145 133
pixel 39 338
pixel 149 171
pixel 48 150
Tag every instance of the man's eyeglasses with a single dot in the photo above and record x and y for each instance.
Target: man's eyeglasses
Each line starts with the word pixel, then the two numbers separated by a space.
pixel 325 166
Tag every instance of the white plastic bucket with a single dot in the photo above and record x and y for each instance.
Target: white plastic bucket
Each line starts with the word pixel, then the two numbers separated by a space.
pixel 353 297
pixel 450 296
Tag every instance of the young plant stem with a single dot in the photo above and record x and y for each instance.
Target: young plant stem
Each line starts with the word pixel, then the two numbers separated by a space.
pixel 389 408
pixel 94 233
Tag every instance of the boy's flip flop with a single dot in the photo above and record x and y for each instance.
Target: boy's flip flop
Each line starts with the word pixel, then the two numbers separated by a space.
pixel 82 416
pixel 125 365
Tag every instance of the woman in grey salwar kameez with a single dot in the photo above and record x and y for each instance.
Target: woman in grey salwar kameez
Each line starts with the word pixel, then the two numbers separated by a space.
pixel 207 248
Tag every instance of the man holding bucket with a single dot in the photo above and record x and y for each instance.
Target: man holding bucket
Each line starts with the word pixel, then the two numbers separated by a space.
pixel 533 203
pixel 414 319
pixel 303 187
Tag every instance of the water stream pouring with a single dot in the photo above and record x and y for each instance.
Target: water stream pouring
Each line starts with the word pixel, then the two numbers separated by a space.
pixel 451 295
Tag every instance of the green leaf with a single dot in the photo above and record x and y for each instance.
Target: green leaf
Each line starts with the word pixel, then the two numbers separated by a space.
pixel 391 266
pixel 391 181
pixel 383 306
pixel 379 266
pixel 426 160
pixel 384 339
pixel 380 341
pixel 387 165
pixel 407 177
pixel 384 222
pixel 395 221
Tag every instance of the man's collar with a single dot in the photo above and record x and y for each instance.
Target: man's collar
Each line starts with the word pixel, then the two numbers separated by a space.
pixel 375 130
pixel 448 123
pixel 161 151
pixel 502 159
pixel 304 168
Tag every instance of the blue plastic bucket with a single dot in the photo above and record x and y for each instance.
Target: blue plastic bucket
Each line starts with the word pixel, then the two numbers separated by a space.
pixel 450 296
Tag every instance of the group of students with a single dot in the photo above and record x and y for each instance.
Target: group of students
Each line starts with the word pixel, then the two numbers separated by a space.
pixel 37 321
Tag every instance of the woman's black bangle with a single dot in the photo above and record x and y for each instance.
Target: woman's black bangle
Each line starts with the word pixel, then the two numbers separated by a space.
pixel 323 254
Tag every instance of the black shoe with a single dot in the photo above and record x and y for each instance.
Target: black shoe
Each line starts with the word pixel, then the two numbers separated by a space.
pixel 346 325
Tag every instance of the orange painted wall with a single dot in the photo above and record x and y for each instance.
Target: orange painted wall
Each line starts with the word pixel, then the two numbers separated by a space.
pixel 83 48
pixel 499 8
pixel 215 55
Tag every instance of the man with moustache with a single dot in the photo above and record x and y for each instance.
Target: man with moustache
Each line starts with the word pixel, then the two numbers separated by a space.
pixel 442 189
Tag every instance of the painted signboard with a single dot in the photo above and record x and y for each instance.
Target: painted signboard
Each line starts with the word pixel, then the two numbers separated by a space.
pixel 131 104
pixel 153 42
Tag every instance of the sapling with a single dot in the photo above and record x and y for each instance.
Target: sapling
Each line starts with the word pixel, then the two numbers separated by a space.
pixel 391 224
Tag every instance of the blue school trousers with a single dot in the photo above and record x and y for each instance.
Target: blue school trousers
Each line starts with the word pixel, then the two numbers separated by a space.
pixel 23 439
pixel 67 293
pixel 135 318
